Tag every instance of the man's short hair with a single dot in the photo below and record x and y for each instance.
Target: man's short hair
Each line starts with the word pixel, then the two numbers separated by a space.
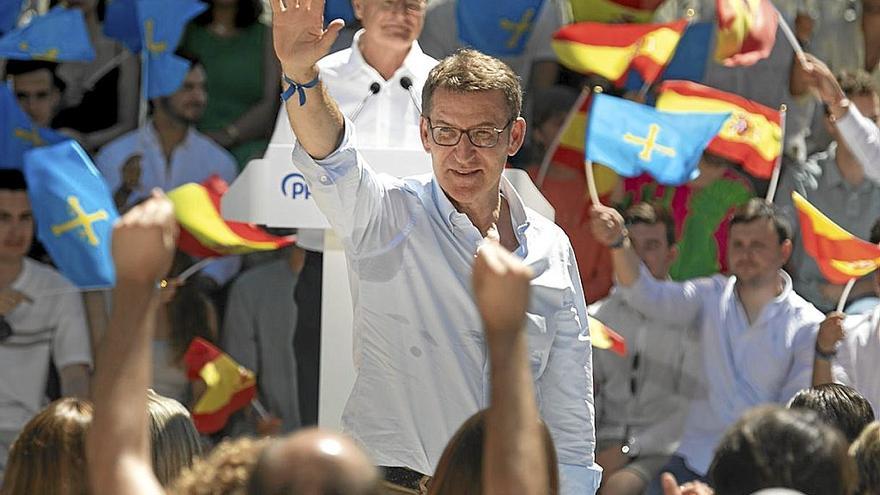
pixel 649 213
pixel 758 209
pixel 12 180
pixel 771 446
pixel 19 67
pixel 856 83
pixel 467 71
pixel 839 405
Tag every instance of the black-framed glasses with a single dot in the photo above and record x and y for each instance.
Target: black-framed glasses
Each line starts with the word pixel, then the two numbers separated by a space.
pixel 481 137
pixel 5 329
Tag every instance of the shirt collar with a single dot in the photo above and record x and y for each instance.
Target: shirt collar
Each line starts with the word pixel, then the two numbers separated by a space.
pixel 406 69
pixel 151 136
pixel 771 308
pixel 518 214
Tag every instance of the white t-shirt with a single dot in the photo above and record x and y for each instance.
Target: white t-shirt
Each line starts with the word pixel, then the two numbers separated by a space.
pixel 53 327
pixel 859 354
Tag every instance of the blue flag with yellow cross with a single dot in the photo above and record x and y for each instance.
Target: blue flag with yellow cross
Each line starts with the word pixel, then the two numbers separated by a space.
pixel 73 211
pixel 501 29
pixel 631 139
pixel 58 36
pixel 18 134
pixel 162 23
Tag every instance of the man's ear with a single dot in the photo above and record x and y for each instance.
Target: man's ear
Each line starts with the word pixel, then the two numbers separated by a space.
pixel 517 135
pixel 423 133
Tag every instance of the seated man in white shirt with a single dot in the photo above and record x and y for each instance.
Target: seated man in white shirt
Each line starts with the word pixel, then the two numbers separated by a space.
pixel 642 398
pixel 848 347
pixel 756 334
pixel 34 328
pixel 376 84
pixel 410 243
pixel 168 152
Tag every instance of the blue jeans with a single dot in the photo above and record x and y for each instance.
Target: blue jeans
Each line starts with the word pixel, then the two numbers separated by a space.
pixel 679 469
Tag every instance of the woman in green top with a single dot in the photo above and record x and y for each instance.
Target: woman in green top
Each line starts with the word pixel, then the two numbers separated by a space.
pixel 243 75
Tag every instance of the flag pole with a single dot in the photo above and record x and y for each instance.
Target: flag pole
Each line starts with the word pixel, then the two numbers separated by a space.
pixel 591 182
pixel 774 178
pixel 548 155
pixel 260 408
pixel 792 39
pixel 845 295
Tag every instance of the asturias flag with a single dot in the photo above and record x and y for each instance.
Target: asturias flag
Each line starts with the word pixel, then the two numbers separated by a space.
pixel 501 29
pixel 631 139
pixel 839 254
pixel 609 50
pixel 752 136
pixel 162 23
pixel 603 337
pixel 74 212
pixel 746 31
pixel 204 233
pixel 615 11
pixel 230 386
pixel 59 35
pixel 18 134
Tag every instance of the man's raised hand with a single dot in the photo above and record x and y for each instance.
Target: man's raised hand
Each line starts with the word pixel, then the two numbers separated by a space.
pixel 299 36
pixel 144 241
pixel 501 288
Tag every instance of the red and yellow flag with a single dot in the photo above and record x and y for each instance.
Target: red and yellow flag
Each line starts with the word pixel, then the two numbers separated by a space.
pixel 609 50
pixel 752 136
pixel 603 337
pixel 204 233
pixel 746 31
pixel 614 11
pixel 570 150
pixel 230 386
pixel 839 254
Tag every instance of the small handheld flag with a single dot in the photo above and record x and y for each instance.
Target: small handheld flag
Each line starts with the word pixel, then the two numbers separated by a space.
pixel 501 29
pixel 632 139
pixel 59 35
pixel 18 134
pixel 230 386
pixel 162 23
pixel 603 337
pixel 616 11
pixel 746 31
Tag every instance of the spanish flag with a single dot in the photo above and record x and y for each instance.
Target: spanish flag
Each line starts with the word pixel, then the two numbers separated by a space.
pixel 609 50
pixel 614 11
pixel 230 386
pixel 204 233
pixel 570 150
pixel 752 136
pixel 746 31
pixel 603 337
pixel 839 254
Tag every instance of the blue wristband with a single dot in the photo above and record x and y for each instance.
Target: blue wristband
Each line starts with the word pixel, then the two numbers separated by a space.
pixel 296 87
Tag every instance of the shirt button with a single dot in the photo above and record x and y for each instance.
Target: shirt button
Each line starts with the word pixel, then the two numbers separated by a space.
pixel 324 179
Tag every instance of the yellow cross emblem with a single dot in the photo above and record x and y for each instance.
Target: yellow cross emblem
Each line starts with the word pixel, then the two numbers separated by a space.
pixel 81 219
pixel 153 46
pixel 518 29
pixel 50 55
pixel 649 143
pixel 31 136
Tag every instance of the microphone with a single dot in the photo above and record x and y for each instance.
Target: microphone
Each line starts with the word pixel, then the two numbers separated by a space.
pixel 374 89
pixel 407 85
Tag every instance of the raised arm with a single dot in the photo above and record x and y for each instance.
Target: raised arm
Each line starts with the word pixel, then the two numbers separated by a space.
pixel 300 41
pixel 118 443
pixel 514 459
pixel 608 228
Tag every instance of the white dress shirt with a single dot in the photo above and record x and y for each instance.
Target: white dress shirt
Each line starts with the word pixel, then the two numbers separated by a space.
pixel 857 359
pixel 745 364
pixel 387 119
pixel 419 349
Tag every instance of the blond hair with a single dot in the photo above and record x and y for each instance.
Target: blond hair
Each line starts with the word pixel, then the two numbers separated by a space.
pixel 225 471
pixel 866 452
pixel 174 441
pixel 467 71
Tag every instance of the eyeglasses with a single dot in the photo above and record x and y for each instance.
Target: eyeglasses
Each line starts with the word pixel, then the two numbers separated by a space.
pixel 481 137
pixel 5 329
pixel 408 5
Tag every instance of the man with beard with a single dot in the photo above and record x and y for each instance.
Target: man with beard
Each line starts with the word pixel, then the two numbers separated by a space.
pixel 757 335
pixel 168 151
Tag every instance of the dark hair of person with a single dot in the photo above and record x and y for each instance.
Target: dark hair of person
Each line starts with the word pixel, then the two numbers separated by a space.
pixel 460 469
pixel 649 213
pixel 12 180
pixel 247 13
pixel 191 57
pixel 839 405
pixel 49 454
pixel 774 447
pixel 19 67
pixel 875 232
pixel 759 209
pixel 192 314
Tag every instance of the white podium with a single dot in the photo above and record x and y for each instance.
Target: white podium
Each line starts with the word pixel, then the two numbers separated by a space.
pixel 272 192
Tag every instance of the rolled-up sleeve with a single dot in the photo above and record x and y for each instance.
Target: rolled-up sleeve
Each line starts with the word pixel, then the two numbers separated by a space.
pixel 674 303
pixel 862 137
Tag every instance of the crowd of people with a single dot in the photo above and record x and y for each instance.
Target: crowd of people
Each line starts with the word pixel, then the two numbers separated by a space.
pixel 745 370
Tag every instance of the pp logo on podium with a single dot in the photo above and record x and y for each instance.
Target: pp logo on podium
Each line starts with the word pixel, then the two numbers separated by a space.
pixel 294 186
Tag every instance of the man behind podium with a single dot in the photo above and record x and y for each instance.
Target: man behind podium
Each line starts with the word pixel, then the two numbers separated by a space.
pixel 419 351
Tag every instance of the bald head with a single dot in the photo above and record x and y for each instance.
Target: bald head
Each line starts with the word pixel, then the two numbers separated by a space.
pixel 314 462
